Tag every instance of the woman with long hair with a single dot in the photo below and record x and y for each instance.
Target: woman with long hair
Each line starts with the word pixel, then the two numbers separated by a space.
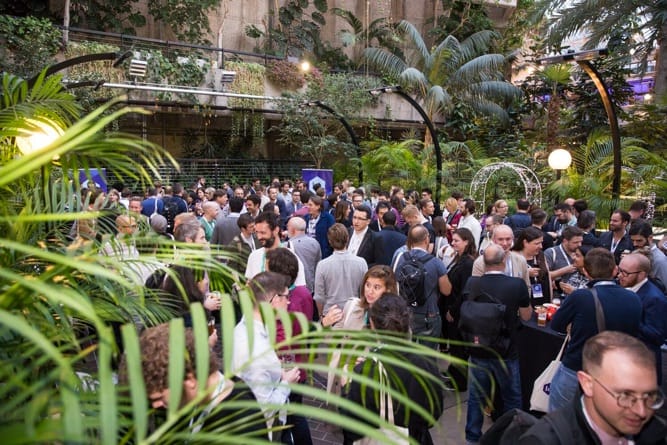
pixel 397 205
pixel 342 213
pixel 377 280
pixel 529 245
pixel 460 269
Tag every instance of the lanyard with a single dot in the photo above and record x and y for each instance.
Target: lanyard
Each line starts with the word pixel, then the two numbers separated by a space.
pixel 567 258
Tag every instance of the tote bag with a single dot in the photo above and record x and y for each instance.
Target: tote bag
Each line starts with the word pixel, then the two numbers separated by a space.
pixel 539 399
pixel 387 413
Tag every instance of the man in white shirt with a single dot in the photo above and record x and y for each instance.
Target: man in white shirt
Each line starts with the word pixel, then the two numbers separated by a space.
pixel 362 240
pixel 267 232
pixel 469 221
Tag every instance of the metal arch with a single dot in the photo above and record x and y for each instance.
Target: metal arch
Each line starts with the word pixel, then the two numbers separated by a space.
pixel 531 184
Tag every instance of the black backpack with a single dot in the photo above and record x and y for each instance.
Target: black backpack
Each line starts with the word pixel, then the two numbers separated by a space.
pixel 169 211
pixel 410 276
pixel 482 322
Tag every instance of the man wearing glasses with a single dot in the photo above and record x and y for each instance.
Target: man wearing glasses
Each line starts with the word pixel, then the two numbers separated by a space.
pixel 619 397
pixel 633 274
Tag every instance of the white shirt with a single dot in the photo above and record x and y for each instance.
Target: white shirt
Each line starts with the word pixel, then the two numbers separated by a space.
pixel 257 264
pixel 355 241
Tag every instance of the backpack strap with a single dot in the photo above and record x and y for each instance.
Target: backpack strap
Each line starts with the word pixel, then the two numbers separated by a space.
pixel 599 313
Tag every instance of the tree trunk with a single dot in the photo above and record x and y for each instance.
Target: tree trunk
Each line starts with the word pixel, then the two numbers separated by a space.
pixel 66 24
pixel 660 87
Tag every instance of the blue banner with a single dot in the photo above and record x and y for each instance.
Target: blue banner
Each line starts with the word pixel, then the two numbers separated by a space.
pixel 96 175
pixel 314 176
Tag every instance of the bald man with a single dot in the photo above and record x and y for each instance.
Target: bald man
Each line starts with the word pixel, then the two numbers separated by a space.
pixel 515 263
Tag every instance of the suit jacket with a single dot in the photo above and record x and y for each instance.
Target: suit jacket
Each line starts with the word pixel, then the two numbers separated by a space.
pixel 375 225
pixel 225 231
pixel 388 240
pixel 367 248
pixel 321 229
pixel 653 327
pixel 624 244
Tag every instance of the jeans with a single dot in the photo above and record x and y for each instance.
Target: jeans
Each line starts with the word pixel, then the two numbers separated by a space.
pixel 508 382
pixel 563 388
pixel 427 326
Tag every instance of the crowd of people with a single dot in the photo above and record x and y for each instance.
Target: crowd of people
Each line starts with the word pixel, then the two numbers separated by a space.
pixel 340 259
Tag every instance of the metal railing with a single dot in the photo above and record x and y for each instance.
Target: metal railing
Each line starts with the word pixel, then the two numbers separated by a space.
pixel 233 171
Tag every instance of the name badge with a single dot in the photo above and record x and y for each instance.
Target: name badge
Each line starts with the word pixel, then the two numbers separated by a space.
pixel 537 290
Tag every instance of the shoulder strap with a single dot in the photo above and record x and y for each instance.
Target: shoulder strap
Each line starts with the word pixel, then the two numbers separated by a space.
pixel 599 314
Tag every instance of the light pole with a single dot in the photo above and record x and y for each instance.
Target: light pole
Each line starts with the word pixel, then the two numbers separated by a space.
pixel 559 160
pixel 429 124
pixel 583 59
pixel 348 128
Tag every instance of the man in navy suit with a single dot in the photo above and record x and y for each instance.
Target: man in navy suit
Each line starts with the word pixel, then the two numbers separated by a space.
pixel 633 274
pixel 388 240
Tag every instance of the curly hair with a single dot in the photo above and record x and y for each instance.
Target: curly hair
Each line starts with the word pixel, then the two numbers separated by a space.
pixel 154 347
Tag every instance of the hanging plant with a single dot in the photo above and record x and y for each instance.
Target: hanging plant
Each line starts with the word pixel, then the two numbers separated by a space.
pixel 247 126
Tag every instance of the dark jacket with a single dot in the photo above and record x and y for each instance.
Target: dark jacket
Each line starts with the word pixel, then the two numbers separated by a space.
pixel 388 241
pixel 368 247
pixel 624 244
pixel 321 229
pixel 622 312
pixel 419 388
pixel 573 429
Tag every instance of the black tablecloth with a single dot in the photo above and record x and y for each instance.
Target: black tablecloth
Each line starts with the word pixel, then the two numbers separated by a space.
pixel 538 346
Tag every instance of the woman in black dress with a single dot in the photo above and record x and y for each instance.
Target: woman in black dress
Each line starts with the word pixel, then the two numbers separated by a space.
pixel 460 269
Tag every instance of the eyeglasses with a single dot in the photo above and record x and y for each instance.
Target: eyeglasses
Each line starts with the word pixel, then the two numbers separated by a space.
pixel 625 272
pixel 279 295
pixel 358 218
pixel 652 400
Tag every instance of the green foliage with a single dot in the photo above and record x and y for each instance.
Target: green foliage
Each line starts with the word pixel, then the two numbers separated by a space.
pixel 297 32
pixel 636 30
pixel 188 19
pixel 452 72
pixel 121 16
pixel 174 69
pixel 313 133
pixel 56 302
pixel 460 19
pixel 27 44
pixel 379 33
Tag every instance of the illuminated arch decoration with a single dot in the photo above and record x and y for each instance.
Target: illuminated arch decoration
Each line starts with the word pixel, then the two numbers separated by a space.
pixel 531 185
pixel 641 192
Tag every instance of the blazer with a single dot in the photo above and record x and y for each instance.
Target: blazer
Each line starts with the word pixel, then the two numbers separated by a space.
pixel 388 241
pixel 321 229
pixel 367 248
pixel 624 244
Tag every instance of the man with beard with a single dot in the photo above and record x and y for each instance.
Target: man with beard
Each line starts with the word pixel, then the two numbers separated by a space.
pixel 633 274
pixel 616 240
pixel 267 232
pixel 562 218
pixel 469 221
